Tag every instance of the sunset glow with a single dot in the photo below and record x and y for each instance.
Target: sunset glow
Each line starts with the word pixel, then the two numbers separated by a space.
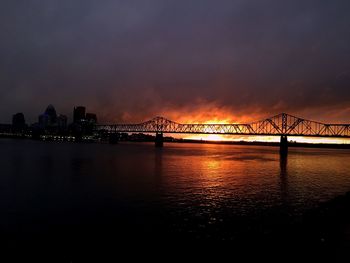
pixel 205 112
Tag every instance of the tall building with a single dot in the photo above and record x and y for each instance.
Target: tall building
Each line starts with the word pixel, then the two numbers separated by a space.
pixel 62 122
pixel 18 121
pixel 78 114
pixel 51 112
pixel 44 121
pixel 48 118
pixel 91 118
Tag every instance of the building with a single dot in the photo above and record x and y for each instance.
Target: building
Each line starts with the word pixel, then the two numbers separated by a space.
pixel 91 118
pixel 44 121
pixel 48 118
pixel 18 120
pixel 78 114
pixel 51 112
pixel 62 122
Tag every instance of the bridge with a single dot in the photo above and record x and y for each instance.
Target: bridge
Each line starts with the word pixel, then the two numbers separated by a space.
pixel 282 125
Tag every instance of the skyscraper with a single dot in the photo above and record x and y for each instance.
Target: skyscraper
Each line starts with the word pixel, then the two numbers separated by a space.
pixel 51 112
pixel 48 118
pixel 18 121
pixel 62 122
pixel 91 118
pixel 78 114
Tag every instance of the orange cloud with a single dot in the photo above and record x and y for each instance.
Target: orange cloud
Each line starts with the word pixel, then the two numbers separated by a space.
pixel 209 112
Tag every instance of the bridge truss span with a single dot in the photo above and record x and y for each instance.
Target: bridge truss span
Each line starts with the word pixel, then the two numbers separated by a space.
pixel 280 125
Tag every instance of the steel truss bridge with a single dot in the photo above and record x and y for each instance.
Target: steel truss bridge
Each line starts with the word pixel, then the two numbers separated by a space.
pixel 280 125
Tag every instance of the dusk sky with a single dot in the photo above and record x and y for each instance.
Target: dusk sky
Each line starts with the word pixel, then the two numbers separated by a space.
pixel 189 61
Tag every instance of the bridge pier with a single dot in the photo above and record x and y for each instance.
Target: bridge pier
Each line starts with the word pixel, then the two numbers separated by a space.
pixel 284 145
pixel 159 139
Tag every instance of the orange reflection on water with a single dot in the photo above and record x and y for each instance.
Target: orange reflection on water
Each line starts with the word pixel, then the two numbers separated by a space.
pixel 236 138
pixel 212 164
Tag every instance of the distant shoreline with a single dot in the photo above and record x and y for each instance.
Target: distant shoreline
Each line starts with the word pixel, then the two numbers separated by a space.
pixel 290 144
pixel 173 140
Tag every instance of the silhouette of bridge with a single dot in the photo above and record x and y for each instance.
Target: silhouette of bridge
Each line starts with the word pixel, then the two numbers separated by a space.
pixel 282 125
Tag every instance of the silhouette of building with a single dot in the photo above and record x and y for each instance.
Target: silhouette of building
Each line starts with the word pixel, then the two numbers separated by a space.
pixel 51 112
pixel 43 121
pixel 62 122
pixel 91 118
pixel 78 114
pixel 6 128
pixel 48 118
pixel 18 120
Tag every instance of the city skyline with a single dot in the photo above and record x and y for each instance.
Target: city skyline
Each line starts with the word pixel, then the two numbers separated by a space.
pixel 236 61
pixel 50 107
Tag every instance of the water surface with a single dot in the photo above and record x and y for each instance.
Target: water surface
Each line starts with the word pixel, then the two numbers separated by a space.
pixel 72 193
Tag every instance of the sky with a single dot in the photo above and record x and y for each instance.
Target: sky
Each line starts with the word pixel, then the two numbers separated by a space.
pixel 189 61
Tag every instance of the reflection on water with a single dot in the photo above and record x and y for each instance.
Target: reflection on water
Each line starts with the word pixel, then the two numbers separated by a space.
pixel 186 189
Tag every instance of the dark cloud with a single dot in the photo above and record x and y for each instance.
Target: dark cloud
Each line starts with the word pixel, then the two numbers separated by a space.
pixel 131 60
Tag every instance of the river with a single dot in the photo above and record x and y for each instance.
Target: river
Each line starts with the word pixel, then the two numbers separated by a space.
pixel 72 193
